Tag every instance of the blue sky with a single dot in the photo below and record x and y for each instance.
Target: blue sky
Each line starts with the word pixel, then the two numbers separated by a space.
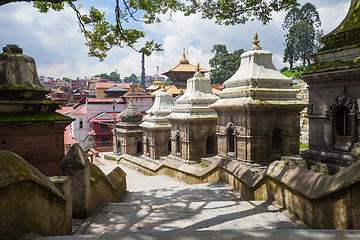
pixel 54 40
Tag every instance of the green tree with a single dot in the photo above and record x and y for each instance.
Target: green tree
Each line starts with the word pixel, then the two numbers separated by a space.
pixel 224 64
pixel 101 35
pixel 303 26
pixel 103 76
pixel 114 77
pixel 131 79
pixel 66 79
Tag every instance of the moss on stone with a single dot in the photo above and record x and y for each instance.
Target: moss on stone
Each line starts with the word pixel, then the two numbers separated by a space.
pixel 333 66
pixel 22 87
pixel 32 102
pixel 346 34
pixel 352 19
pixel 15 169
pixel 33 117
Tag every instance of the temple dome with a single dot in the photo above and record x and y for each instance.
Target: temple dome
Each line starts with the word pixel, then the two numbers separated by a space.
pixel 158 113
pixel 196 100
pixel 257 81
pixel 131 114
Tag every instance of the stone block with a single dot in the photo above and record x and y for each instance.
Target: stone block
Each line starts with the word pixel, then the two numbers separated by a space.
pixel 30 202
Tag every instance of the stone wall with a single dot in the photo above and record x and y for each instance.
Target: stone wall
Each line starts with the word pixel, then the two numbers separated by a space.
pixel 90 186
pixel 30 202
pixel 320 201
pixel 106 188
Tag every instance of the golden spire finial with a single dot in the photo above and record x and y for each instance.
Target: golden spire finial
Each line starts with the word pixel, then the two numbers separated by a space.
pixel 163 87
pixel 255 42
pixel 184 60
pixel 131 100
pixel 198 67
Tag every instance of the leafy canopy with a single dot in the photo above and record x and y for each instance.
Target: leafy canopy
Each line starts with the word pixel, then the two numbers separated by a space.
pixel 131 79
pixel 224 64
pixel 301 41
pixel 101 35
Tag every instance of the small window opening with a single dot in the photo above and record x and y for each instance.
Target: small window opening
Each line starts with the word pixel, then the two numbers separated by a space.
pixel 342 122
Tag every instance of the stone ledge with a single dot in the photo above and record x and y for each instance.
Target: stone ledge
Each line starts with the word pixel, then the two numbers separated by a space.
pixel 14 169
pixel 317 200
pixel 312 185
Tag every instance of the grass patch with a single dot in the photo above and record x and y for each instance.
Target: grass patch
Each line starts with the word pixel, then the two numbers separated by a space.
pixel 294 71
pixel 303 145
pixel 204 165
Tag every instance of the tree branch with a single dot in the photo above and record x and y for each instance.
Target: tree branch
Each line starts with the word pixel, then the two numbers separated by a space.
pixel 3 2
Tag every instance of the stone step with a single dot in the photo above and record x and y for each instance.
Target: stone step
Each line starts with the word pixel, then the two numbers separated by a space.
pixel 283 234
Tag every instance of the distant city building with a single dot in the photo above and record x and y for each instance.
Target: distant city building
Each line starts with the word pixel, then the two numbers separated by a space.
pixel 115 92
pixel 44 79
pixel 61 95
pixel 142 100
pixel 62 83
pixel 102 132
pixel 100 87
pixel 78 84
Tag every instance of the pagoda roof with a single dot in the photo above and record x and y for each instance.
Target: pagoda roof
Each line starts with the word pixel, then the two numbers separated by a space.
pixel 177 90
pixel 184 66
pixel 111 84
pixel 115 89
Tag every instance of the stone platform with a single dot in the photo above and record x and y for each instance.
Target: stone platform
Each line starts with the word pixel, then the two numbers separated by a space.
pixel 158 207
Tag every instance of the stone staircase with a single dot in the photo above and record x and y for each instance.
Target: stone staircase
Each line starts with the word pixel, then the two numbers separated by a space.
pixel 157 207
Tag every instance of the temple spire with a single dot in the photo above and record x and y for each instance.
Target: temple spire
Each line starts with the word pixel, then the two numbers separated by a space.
pixel 184 60
pixel 255 42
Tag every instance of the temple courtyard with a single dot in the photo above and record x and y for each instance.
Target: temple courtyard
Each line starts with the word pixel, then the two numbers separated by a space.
pixel 159 207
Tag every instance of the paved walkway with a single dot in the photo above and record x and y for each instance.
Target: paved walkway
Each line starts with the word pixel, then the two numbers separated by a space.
pixel 158 207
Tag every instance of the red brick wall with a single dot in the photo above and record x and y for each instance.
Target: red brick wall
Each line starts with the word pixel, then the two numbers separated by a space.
pixel 40 144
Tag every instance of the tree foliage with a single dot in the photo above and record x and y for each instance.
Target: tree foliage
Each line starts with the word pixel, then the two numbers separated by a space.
pixel 103 76
pixel 114 77
pixel 131 79
pixel 303 26
pixel 101 35
pixel 224 64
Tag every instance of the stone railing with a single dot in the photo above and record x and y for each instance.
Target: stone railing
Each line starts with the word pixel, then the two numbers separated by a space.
pixel 320 201
pixel 30 202
pixel 90 186
pixel 33 203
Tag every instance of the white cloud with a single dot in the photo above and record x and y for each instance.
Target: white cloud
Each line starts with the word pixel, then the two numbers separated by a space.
pixel 53 39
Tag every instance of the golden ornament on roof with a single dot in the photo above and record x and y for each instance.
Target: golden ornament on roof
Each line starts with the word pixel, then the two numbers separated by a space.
pixel 255 42
pixel 198 67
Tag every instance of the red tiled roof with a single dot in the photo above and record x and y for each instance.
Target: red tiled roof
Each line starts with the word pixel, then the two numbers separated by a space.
pixel 100 132
pixel 82 110
pixel 110 84
pixel 64 109
pixel 218 86
pixel 68 139
pixel 135 95
pixel 104 100
pixel 95 119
